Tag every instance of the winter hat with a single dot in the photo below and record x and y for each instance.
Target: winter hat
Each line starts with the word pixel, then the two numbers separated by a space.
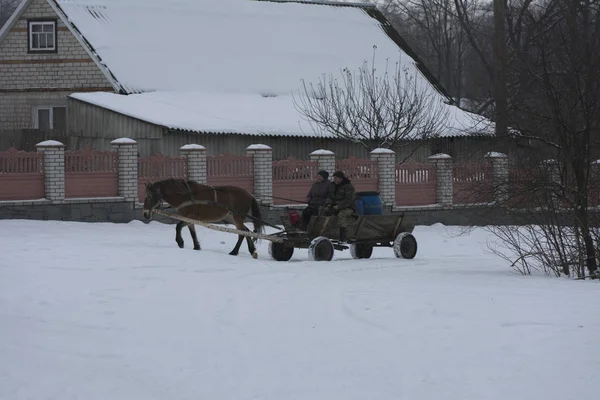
pixel 339 174
pixel 324 174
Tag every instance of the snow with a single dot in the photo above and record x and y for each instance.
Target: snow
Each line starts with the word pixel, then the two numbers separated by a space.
pixel 123 141
pixel 193 80
pixel 250 114
pixel 258 147
pixel 117 311
pixel 440 156
pixel 322 152
pixel 495 154
pixel 381 150
pixel 207 112
pixel 275 44
pixel 192 147
pixel 50 143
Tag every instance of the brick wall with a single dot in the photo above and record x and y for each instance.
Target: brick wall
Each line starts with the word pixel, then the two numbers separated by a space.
pixel 70 68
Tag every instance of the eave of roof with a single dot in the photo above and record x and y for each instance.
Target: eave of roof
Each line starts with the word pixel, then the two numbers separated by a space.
pixel 22 7
pixel 13 19
pixel 87 47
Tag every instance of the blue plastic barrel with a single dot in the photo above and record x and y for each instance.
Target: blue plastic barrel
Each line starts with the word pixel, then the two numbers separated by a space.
pixel 360 206
pixel 368 203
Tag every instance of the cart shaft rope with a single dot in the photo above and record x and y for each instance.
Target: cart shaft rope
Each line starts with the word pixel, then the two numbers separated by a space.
pixel 271 238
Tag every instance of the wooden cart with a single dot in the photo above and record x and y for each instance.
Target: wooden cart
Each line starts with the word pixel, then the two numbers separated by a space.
pixel 321 237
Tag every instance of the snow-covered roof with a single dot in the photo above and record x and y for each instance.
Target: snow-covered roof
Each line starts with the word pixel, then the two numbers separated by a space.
pixel 233 50
pixel 250 114
pixel 236 46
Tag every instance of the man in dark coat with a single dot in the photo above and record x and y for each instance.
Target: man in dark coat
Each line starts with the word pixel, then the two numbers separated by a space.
pixel 341 202
pixel 316 196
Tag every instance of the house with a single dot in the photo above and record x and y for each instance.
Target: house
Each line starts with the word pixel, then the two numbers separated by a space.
pixel 222 73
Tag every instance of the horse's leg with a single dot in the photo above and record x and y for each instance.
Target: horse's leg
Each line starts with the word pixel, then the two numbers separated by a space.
pixel 239 223
pixel 192 229
pixel 238 244
pixel 178 237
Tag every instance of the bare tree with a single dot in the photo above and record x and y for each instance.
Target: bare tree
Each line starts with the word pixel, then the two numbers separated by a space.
pixel 438 36
pixel 7 7
pixel 371 109
pixel 434 31
pixel 560 113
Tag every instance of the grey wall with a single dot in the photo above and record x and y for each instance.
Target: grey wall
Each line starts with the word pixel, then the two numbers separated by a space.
pixel 122 212
pixel 107 211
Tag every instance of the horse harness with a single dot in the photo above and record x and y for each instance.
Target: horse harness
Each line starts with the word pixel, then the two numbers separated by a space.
pixel 215 203
pixel 192 201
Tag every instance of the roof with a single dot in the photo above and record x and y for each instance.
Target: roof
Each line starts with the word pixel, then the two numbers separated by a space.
pixel 296 39
pixel 249 113
pixel 240 48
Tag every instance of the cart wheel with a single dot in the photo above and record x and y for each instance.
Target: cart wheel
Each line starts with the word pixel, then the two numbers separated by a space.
pixel 320 249
pixel 405 245
pixel 360 251
pixel 279 252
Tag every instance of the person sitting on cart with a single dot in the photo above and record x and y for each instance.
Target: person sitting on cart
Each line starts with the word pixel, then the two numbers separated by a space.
pixel 340 202
pixel 316 197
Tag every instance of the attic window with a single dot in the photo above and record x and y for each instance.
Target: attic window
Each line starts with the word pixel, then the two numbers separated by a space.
pixel 42 36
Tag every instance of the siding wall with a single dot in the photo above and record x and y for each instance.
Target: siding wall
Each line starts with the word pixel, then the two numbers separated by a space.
pixel 89 125
pixel 29 80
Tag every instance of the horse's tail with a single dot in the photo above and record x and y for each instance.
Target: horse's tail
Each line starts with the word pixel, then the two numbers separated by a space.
pixel 259 226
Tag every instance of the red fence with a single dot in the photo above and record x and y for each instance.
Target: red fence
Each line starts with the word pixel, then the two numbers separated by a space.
pixel 228 169
pixel 21 175
pixel 473 183
pixel 415 184
pixel 364 174
pixel 292 180
pixel 91 173
pixel 157 167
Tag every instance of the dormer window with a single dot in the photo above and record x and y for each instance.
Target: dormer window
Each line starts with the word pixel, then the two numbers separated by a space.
pixel 42 36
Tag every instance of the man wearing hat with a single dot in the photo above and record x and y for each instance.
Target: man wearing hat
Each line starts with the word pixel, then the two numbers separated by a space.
pixel 316 196
pixel 341 201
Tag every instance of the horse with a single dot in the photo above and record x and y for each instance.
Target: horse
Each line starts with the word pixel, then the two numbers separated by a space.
pixel 206 204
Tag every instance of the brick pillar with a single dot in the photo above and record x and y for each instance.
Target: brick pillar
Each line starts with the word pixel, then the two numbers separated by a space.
pixel 196 162
pixel 387 174
pixel 263 172
pixel 551 170
pixel 128 167
pixel 325 158
pixel 54 168
pixel 444 191
pixel 499 175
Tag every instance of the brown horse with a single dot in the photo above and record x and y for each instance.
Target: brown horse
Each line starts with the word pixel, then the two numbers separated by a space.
pixel 206 204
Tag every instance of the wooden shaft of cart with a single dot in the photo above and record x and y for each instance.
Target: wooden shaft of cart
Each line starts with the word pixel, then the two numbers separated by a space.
pixel 251 234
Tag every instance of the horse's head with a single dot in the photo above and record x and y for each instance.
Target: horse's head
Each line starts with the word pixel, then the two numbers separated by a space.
pixel 152 200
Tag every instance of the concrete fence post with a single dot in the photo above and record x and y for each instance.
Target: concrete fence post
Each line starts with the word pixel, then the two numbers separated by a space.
pixel 386 159
pixel 326 160
pixel 263 172
pixel 54 169
pixel 444 192
pixel 196 162
pixel 128 167
pixel 499 175
pixel 551 170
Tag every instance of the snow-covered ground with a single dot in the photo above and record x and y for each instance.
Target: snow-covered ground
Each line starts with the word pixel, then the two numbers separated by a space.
pixel 117 311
